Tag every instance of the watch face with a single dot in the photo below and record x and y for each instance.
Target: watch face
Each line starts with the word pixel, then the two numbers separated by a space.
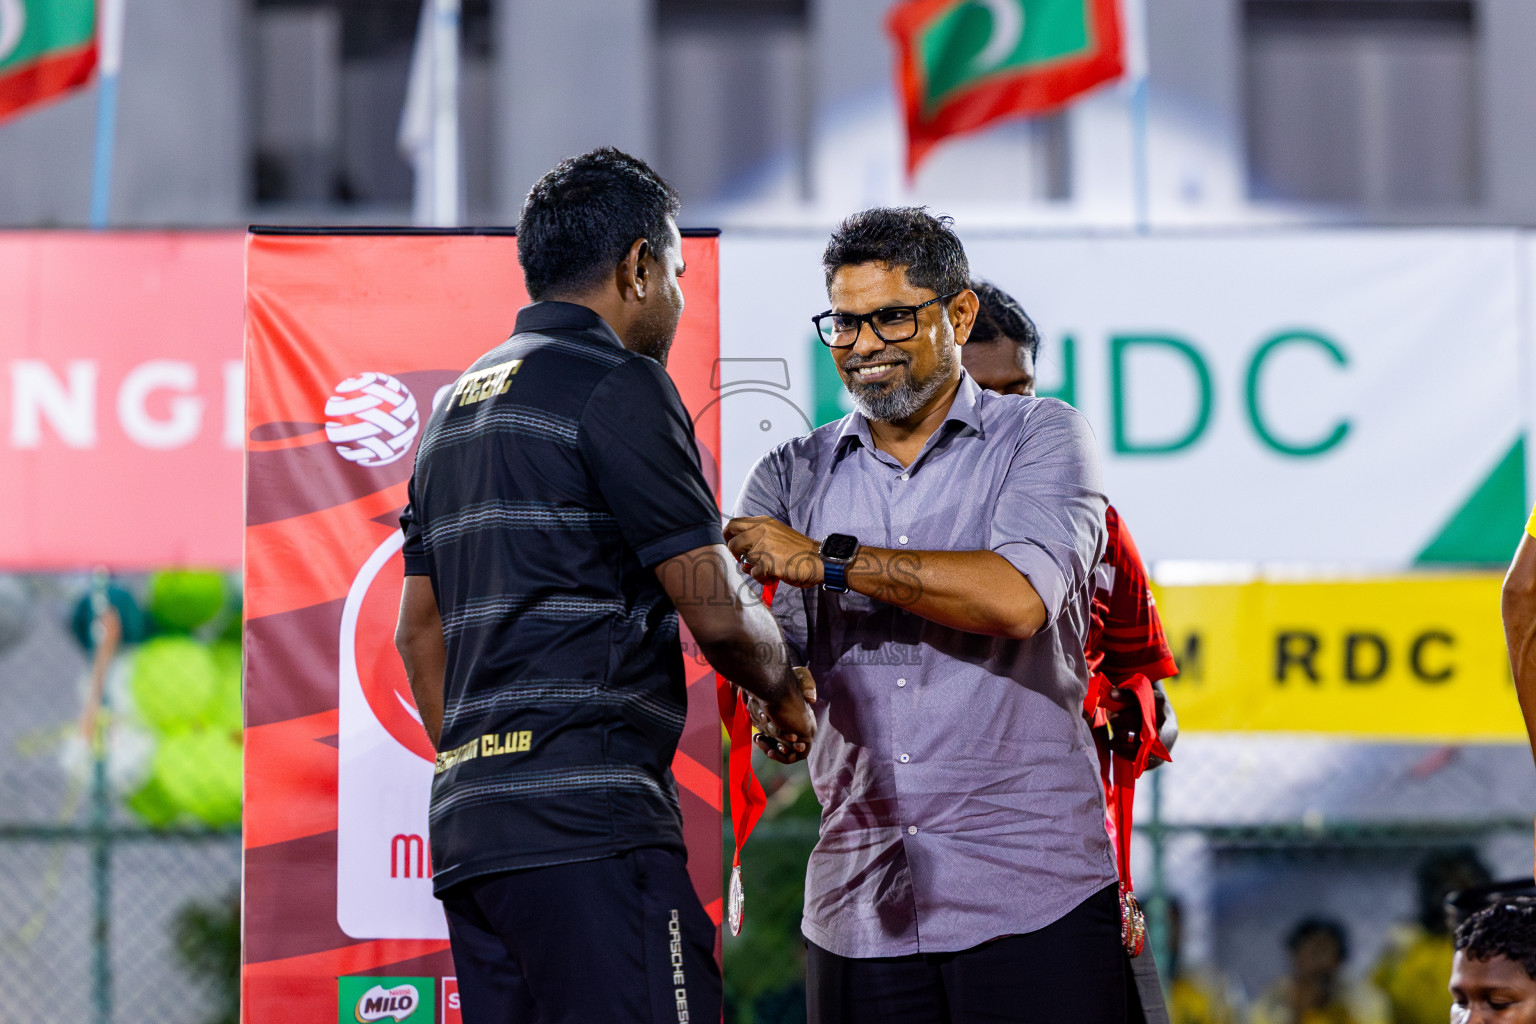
pixel 839 545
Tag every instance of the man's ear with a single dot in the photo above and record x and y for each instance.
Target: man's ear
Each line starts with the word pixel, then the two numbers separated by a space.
pixel 962 315
pixel 634 271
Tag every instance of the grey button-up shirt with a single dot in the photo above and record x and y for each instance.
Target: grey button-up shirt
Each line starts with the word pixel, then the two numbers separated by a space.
pixel 958 781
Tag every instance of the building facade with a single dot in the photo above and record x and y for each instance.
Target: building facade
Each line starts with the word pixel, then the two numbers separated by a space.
pixel 775 112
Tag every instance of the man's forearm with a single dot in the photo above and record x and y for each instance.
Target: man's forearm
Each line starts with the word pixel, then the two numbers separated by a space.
pixel 739 638
pixel 735 632
pixel 424 669
pixel 419 639
pixel 973 591
pixel 1518 604
pixel 762 667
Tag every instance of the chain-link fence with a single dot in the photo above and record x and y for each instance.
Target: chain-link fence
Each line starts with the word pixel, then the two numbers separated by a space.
pixel 119 858
pixel 119 830
pixel 1239 843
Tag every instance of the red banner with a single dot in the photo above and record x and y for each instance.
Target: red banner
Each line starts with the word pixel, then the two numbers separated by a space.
pixel 121 401
pixel 349 338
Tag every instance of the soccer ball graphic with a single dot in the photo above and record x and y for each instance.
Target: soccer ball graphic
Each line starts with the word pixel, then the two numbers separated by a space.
pixel 372 419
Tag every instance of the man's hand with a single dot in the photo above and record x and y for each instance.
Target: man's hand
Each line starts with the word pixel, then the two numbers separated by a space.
pixel 1125 724
pixel 787 728
pixel 770 550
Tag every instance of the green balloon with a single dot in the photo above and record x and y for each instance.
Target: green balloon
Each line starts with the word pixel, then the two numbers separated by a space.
pixel 200 771
pixel 228 713
pixel 175 684
pixel 181 600
pixel 153 805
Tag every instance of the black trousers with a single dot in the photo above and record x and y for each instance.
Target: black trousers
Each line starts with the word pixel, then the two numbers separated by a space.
pixel 1144 1002
pixel 620 940
pixel 1072 971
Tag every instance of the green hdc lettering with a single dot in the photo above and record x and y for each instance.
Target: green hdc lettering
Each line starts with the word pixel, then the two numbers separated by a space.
pixel 1122 349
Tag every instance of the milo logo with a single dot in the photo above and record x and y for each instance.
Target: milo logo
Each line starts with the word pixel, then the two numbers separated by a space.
pixel 368 1000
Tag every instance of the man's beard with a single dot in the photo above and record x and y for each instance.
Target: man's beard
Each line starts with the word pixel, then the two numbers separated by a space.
pixel 652 335
pixel 888 402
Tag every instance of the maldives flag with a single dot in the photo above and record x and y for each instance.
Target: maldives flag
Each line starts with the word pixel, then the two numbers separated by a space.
pixel 968 63
pixel 47 47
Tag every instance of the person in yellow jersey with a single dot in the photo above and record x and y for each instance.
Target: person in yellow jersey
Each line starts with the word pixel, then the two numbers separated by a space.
pixel 1315 990
pixel 1519 609
pixel 1195 996
pixel 1415 968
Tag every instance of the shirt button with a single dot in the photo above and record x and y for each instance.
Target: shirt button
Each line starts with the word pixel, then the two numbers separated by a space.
pixel 902 538
pixel 905 758
pixel 901 682
pixel 911 830
pixel 906 476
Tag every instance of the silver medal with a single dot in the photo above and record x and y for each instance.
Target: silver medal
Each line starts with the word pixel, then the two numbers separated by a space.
pixel 735 900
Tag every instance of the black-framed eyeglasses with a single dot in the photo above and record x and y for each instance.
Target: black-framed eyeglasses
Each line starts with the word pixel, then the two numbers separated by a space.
pixel 891 323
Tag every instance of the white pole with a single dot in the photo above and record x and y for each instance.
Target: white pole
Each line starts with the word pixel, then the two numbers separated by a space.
pixel 109 61
pixel 446 200
pixel 1137 73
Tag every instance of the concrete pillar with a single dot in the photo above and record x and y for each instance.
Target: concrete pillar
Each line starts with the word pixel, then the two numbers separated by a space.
pixel 1506 31
pixel 570 76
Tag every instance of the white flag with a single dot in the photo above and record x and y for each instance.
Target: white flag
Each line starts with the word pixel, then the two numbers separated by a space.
pixel 429 124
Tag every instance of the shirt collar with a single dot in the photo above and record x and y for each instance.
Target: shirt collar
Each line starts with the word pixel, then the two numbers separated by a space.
pixel 965 410
pixel 566 316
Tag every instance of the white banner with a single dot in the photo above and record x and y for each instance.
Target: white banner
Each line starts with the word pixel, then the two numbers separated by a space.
pixel 1335 397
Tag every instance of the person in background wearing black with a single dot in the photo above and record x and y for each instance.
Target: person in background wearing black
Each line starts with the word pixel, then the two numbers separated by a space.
pixel 1415 964
pixel 1125 635
pixel 558 525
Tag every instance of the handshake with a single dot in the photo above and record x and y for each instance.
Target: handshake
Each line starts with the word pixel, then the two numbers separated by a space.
pixel 785 725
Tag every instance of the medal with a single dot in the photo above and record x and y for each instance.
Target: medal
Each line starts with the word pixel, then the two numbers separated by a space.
pixel 747 798
pixel 1133 923
pixel 1119 776
pixel 734 901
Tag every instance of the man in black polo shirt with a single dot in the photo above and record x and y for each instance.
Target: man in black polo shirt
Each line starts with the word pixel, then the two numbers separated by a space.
pixel 558 523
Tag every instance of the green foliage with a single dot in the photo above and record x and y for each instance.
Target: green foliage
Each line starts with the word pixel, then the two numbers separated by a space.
pixel 208 945
pixel 765 964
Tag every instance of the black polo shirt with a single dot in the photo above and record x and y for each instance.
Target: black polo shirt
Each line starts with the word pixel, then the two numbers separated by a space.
pixel 551 481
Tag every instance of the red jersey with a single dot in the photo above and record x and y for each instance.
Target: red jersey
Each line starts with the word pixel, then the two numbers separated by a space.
pixel 1126 635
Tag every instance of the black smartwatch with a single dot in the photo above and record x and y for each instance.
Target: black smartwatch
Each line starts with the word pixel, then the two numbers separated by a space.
pixel 837 552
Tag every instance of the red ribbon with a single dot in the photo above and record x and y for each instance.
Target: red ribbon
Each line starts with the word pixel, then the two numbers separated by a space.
pixel 1119 775
pixel 746 793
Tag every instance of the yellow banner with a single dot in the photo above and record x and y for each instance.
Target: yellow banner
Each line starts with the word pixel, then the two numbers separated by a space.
pixel 1409 657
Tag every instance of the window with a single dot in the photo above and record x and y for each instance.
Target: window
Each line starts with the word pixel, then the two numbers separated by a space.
pixel 1369 103
pixel 733 85
pixel 329 81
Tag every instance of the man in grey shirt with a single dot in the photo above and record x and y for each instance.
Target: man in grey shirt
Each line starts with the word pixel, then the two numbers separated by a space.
pixel 943 539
